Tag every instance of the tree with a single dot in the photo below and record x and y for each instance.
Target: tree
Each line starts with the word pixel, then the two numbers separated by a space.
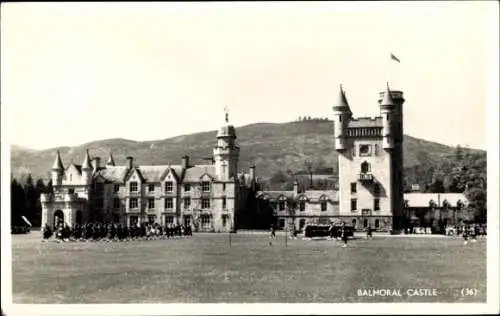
pixel 17 202
pixel 477 203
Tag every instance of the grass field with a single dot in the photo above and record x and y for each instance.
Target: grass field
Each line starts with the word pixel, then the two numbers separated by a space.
pixel 205 268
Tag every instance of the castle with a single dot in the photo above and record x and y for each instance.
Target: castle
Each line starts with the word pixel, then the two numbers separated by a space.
pixel 207 197
pixel 211 197
pixel 370 179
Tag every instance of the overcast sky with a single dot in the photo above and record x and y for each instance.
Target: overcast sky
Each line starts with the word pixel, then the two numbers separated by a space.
pixel 74 72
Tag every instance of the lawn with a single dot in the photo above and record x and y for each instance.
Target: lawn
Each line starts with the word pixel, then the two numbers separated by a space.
pixel 205 268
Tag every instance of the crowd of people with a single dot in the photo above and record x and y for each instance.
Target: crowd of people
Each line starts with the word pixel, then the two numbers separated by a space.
pixel 115 232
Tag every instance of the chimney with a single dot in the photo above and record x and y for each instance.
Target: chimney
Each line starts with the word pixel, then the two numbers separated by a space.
pixel 130 162
pixel 97 163
pixel 185 162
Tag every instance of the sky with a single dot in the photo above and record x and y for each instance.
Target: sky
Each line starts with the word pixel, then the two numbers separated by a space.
pixel 78 72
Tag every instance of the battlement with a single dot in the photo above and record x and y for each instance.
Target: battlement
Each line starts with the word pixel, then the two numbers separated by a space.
pixel 396 95
pixel 365 122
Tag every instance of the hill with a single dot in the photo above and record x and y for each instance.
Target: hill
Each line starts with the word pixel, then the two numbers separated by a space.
pixel 271 146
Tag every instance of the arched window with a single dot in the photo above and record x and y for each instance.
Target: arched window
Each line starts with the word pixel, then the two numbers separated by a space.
pixel 302 203
pixel 365 167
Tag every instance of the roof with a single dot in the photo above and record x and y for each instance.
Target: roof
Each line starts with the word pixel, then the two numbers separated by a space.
pixel 365 122
pixel 156 173
pixel 86 161
pixel 226 131
pixel 274 195
pixel 113 173
pixel 194 173
pixel 78 167
pixel 111 161
pixel 387 100
pixel 315 195
pixel 342 103
pixel 423 199
pixel 58 163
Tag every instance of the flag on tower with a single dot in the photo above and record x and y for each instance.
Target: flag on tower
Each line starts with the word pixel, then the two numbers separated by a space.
pixel 395 58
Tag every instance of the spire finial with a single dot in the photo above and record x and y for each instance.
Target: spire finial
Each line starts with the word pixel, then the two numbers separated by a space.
pixel 226 112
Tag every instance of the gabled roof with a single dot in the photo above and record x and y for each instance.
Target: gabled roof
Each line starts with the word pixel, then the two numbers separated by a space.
pixel 423 199
pixel 77 167
pixel 195 173
pixel 113 173
pixel 157 173
pixel 276 195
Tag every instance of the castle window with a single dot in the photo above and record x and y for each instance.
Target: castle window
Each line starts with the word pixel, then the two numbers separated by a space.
pixel 151 203
pixel 116 203
pixel 169 186
pixel 169 203
pixel 133 187
pixel 302 206
pixel 376 205
pixel 187 187
pixel 323 205
pixel 353 187
pixel 377 223
pixel 151 187
pixel 116 188
pixel 205 221
pixel 205 186
pixel 376 150
pixel 354 222
pixel 281 223
pixel 187 203
pixel 70 177
pixel 224 203
pixel 71 191
pixel 365 223
pixel 223 187
pixel 224 220
pixel 364 150
pixel 133 203
pixel 354 204
pixel 365 167
pixel 205 203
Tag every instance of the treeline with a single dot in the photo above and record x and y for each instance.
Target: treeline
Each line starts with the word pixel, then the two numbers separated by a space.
pixel 25 200
pixel 315 119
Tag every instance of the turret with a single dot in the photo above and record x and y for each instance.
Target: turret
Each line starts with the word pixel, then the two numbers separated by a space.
pixel 392 117
pixel 57 171
pixel 226 153
pixel 343 114
pixel 111 161
pixel 87 169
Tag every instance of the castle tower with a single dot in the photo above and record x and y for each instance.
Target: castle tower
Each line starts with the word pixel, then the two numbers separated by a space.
pixel 57 171
pixel 87 169
pixel 342 113
pixel 226 153
pixel 370 163
pixel 391 110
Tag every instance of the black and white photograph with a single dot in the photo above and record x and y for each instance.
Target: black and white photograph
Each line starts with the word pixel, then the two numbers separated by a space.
pixel 189 158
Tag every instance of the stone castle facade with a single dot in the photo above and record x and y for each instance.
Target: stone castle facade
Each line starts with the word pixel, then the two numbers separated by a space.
pixel 370 179
pixel 207 197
